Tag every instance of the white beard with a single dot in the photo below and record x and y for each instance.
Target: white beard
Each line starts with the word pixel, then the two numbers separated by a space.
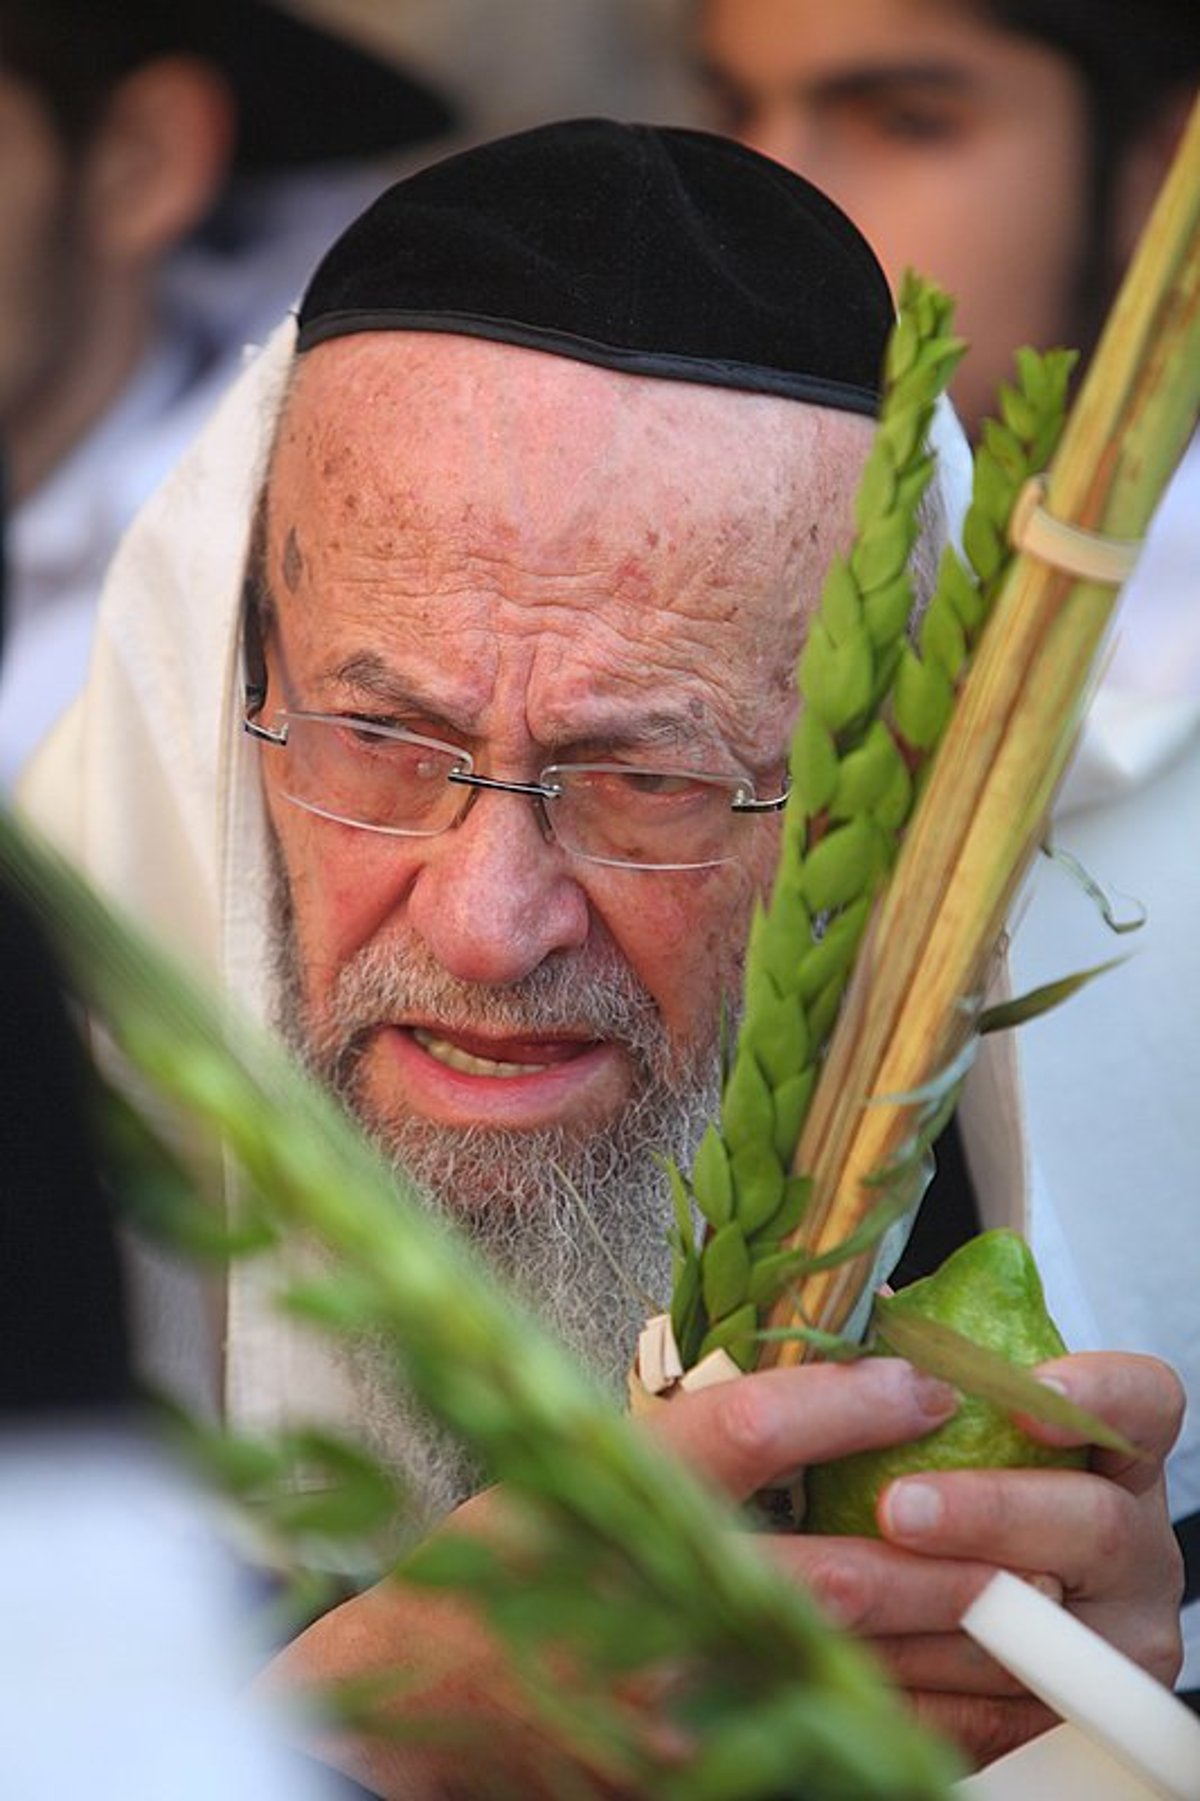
pixel 581 1231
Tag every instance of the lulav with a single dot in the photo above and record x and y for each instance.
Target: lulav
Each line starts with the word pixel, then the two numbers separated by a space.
pixel 874 706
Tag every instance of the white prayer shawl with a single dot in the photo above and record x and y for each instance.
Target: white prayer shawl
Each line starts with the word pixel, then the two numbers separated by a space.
pixel 151 785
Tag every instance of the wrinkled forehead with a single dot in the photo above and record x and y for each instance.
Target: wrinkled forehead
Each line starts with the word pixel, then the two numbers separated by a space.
pixel 473 440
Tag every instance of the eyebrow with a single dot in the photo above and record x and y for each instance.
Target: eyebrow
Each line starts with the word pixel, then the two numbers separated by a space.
pixel 369 677
pixel 367 673
pixel 868 79
pixel 861 81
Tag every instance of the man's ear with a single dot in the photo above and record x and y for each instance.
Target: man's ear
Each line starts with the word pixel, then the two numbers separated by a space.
pixel 159 159
pixel 1143 170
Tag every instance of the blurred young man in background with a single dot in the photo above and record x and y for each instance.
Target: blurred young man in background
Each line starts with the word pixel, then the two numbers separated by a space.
pixel 168 175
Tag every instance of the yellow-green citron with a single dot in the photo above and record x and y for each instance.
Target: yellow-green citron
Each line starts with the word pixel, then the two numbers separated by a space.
pixel 990 1291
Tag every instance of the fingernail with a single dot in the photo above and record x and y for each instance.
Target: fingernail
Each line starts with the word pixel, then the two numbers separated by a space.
pixel 933 1397
pixel 1054 1382
pixel 1050 1586
pixel 913 1509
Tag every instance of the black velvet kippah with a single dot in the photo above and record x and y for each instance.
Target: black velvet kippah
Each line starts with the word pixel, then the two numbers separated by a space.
pixel 651 250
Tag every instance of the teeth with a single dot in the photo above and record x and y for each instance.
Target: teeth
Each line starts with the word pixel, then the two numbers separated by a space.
pixel 454 1058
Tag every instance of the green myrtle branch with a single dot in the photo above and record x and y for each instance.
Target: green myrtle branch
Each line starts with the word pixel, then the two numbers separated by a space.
pixel 874 704
pixel 1013 448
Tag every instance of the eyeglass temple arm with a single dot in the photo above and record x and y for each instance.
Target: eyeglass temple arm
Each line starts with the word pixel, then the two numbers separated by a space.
pixel 254 659
pixel 262 732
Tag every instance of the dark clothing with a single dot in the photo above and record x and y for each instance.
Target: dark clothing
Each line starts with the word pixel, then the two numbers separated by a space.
pixel 949 1213
pixel 61 1303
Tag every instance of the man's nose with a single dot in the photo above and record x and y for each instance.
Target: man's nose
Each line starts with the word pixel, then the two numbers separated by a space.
pixel 493 898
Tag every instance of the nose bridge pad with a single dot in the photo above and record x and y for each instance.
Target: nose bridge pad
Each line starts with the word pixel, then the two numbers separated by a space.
pixel 470 794
pixel 475 785
pixel 545 822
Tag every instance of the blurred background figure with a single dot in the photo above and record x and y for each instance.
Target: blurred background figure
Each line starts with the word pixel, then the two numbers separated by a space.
pixel 1012 149
pixel 169 175
pixel 510 65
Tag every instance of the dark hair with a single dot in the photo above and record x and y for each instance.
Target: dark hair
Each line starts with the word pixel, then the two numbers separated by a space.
pixel 301 94
pixel 1131 56
pixel 74 54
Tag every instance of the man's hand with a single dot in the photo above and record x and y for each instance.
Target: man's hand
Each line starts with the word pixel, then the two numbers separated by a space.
pixel 740 1438
pixel 1099 1540
pixel 451 1720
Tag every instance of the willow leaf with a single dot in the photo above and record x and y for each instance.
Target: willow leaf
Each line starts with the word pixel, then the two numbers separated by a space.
pixel 353 1498
pixel 941 1351
pixel 1037 1001
pixel 833 1347
pixel 158 1191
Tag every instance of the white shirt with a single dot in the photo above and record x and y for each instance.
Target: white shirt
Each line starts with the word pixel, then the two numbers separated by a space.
pixel 124 1665
pixel 1110 1079
pixel 60 542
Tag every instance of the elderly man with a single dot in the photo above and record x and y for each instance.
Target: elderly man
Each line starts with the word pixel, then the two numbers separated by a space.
pixel 442 707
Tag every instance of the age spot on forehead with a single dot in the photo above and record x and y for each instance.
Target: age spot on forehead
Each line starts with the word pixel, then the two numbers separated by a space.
pixel 293 560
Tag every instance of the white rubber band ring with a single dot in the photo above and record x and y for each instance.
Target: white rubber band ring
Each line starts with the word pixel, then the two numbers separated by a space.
pixel 1070 548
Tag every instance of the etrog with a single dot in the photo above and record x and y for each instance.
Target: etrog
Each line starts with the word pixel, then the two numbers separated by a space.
pixel 990 1291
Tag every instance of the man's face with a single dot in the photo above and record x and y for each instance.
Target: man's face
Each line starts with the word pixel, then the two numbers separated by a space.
pixel 38 267
pixel 539 562
pixel 959 149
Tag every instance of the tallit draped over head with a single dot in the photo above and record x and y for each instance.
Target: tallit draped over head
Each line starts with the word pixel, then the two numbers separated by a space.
pixel 662 252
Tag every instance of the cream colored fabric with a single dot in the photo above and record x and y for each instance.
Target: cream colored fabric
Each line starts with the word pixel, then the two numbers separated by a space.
pixel 149 783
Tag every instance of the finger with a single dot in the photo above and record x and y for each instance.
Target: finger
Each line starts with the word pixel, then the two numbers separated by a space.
pixel 1150 1636
pixel 1141 1396
pixel 878 1590
pixel 947 1663
pixel 1072 1524
pixel 984 1727
pixel 762 1429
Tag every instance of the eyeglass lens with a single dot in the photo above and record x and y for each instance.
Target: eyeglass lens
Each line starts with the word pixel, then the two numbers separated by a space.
pixel 613 814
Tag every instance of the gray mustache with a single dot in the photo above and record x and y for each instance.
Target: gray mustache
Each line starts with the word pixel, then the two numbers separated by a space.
pixel 589 994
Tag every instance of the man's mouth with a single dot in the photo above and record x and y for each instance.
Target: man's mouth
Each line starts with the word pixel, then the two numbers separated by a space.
pixel 497 1074
pixel 525 1058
